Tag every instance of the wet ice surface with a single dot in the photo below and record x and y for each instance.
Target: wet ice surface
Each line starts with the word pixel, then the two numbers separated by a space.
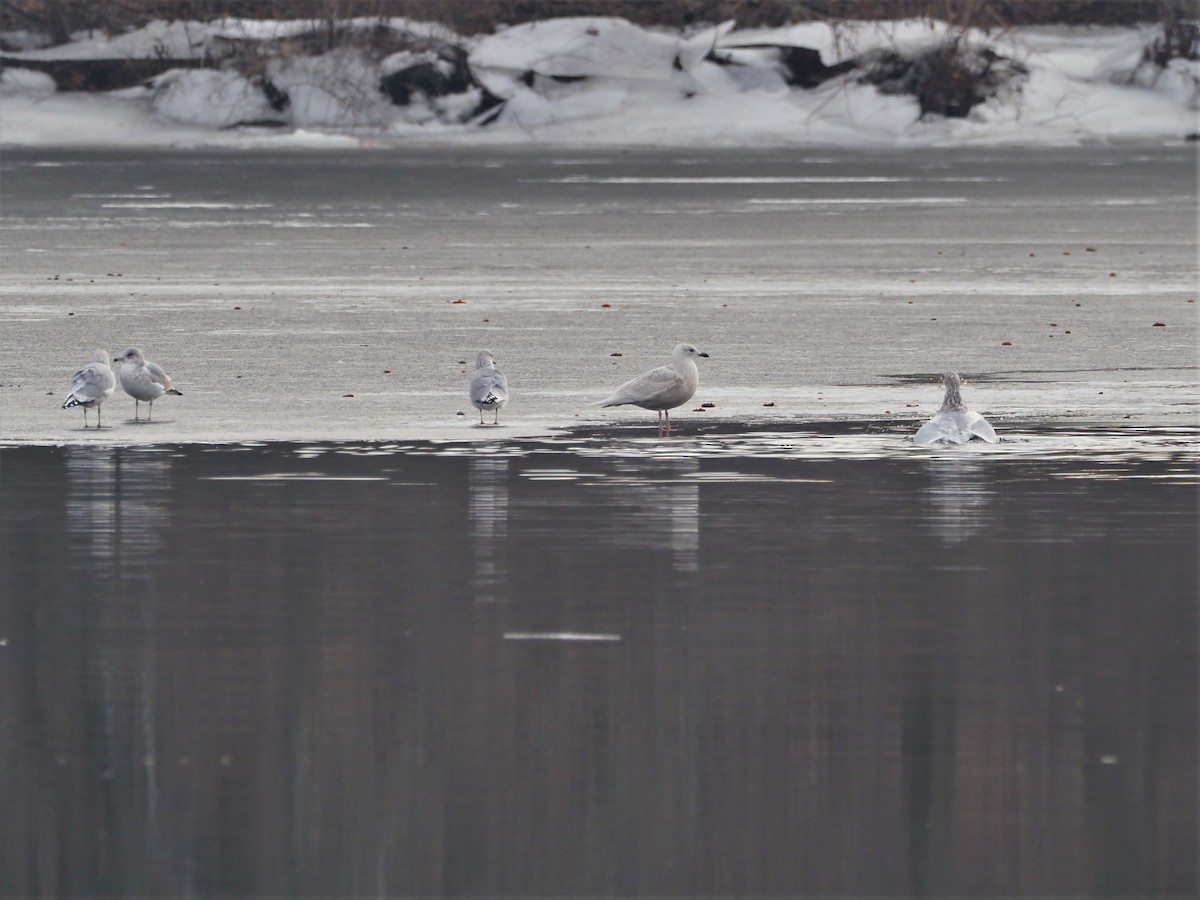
pixel 307 296
pixel 283 640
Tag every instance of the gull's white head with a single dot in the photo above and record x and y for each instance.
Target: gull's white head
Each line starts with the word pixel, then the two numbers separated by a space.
pixel 686 351
pixel 132 355
pixel 101 356
pixel 484 360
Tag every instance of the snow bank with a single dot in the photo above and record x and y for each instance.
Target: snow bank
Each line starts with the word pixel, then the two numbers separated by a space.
pixel 26 83
pixel 586 47
pixel 209 97
pixel 605 81
pixel 334 90
pixel 168 40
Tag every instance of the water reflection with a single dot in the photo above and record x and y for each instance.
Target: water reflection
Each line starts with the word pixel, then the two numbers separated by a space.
pixel 91 499
pixel 91 502
pixel 960 496
pixel 117 512
pixel 656 506
pixel 488 516
pixel 143 513
pixel 276 678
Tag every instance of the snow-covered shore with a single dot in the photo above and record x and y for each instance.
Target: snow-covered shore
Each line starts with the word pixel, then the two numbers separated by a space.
pixel 605 82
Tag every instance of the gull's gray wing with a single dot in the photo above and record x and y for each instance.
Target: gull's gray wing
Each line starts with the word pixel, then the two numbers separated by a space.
pixel 157 375
pixel 931 432
pixel 955 426
pixel 92 382
pixel 661 385
pixel 981 428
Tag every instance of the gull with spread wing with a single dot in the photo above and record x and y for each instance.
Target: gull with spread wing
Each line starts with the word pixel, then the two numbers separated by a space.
pixel 954 423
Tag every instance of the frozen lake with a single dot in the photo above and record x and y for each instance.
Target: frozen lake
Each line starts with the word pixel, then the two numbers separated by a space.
pixel 288 641
pixel 272 285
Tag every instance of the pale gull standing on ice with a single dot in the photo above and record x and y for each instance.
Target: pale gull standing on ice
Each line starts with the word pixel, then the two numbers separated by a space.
pixel 664 388
pixel 489 387
pixel 143 380
pixel 954 423
pixel 91 385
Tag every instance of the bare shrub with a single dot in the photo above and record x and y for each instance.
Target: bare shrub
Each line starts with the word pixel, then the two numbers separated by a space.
pixel 947 80
pixel 1179 40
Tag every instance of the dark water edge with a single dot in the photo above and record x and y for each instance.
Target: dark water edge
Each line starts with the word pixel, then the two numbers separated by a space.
pixel 547 669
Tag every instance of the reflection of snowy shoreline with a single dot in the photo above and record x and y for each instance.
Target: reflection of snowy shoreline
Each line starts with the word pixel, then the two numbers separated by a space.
pixel 600 81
